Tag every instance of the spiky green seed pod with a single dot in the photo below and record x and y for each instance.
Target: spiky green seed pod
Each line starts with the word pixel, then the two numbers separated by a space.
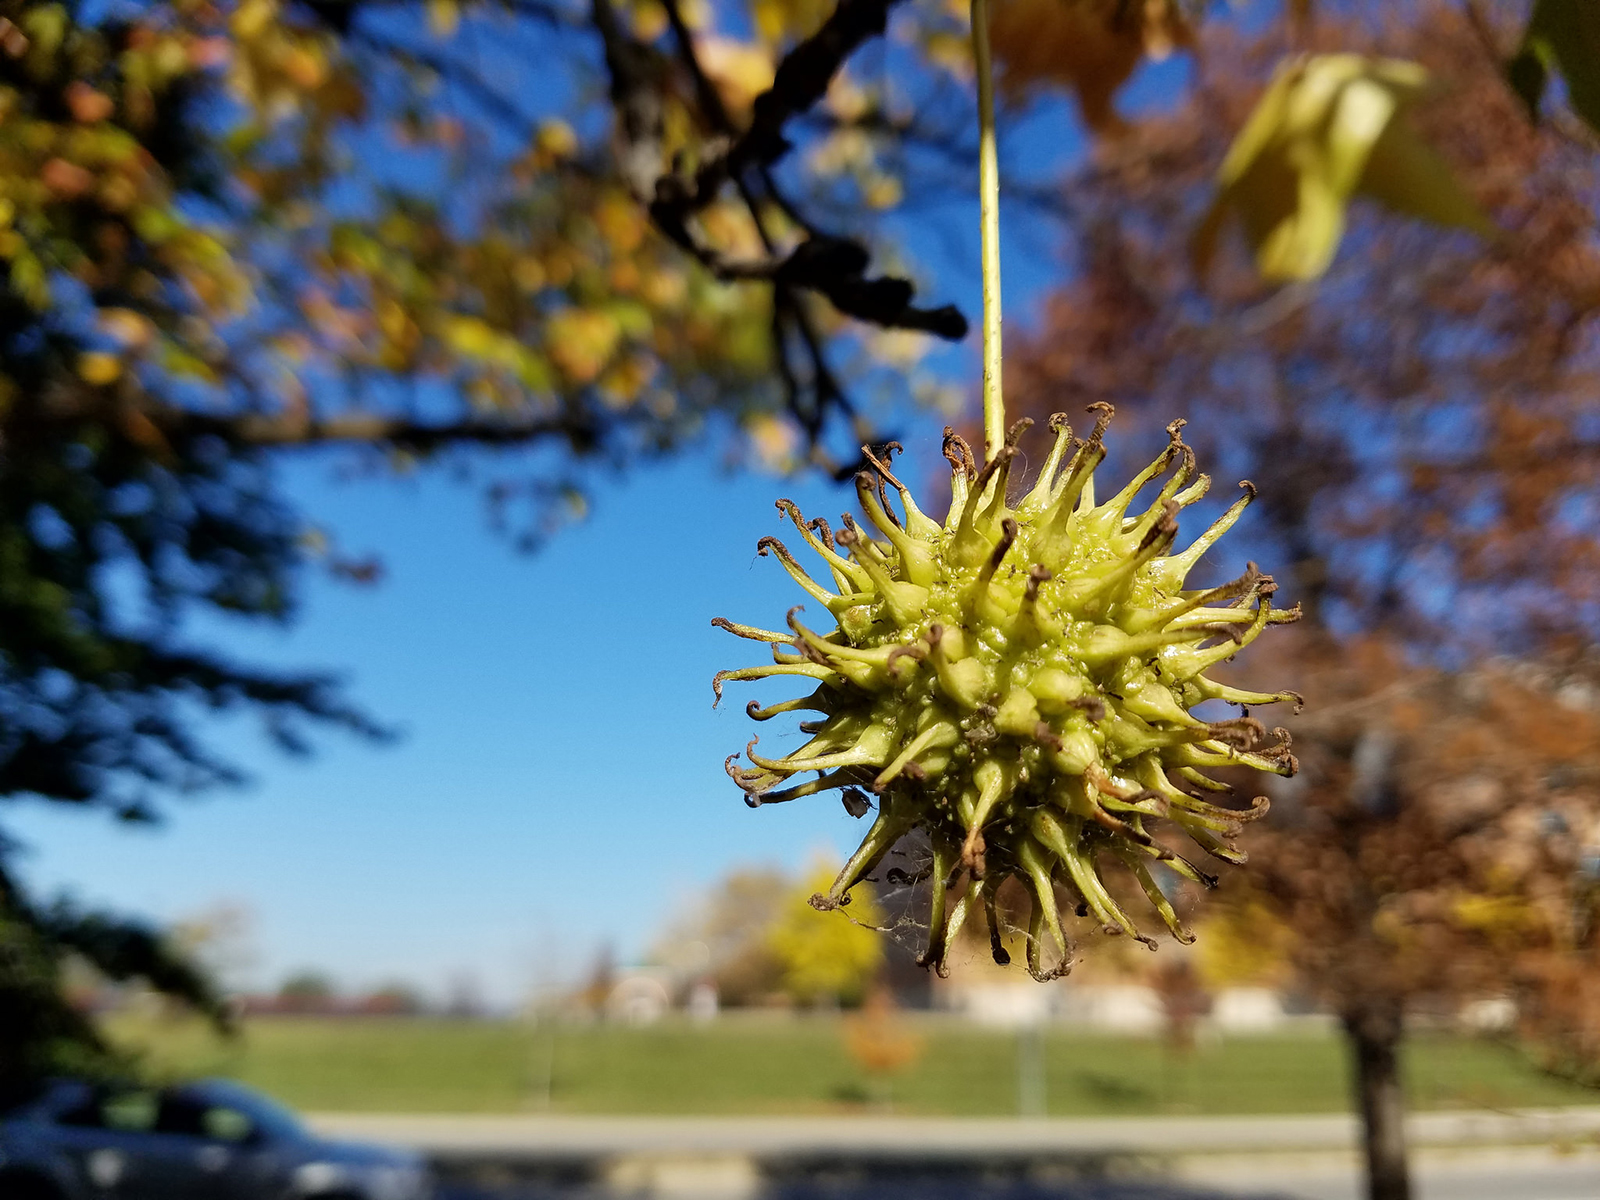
pixel 1016 684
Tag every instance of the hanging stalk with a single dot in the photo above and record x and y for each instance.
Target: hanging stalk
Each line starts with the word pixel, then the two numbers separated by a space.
pixel 994 410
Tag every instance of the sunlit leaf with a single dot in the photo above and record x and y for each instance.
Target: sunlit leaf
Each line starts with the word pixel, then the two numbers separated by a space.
pixel 99 368
pixel 1329 128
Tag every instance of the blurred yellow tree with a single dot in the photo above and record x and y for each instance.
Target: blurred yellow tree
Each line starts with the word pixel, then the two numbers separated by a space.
pixel 827 957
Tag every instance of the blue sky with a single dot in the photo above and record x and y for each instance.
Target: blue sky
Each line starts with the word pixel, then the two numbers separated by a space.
pixel 559 784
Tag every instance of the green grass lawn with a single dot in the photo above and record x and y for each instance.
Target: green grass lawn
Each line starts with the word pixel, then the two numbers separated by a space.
pixel 800 1065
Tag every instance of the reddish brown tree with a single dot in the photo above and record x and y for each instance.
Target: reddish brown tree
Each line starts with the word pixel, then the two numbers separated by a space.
pixel 1421 430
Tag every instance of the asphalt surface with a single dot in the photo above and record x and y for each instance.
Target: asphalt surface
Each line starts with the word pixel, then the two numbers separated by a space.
pixel 1524 1155
pixel 1531 1174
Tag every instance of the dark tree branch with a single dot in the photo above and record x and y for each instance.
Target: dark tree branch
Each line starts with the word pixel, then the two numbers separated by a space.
pixel 831 266
pixel 285 430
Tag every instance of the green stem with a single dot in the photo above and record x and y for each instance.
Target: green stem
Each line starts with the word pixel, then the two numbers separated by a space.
pixel 994 409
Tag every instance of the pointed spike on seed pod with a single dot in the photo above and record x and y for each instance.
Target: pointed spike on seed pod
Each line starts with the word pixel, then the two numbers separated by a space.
pixel 937 734
pixel 810 703
pixel 1115 508
pixel 980 584
pixel 1043 487
pixel 1240 590
pixel 1173 572
pixel 971 900
pixel 1165 506
pixel 1076 494
pixel 903 599
pixel 1036 863
pixel 749 632
pixel 1195 491
pixel 1158 898
pixel 917 562
pixel 745 674
pixel 773 546
pixel 846 574
pixel 997 946
pixel 917 523
pixel 940 870
pixel 974 531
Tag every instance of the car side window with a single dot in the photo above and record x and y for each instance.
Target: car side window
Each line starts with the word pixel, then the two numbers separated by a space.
pixel 194 1116
pixel 225 1124
pixel 124 1112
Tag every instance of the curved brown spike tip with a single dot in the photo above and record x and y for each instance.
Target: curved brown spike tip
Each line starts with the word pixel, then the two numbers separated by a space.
pixel 1092 706
pixel 1259 807
pixel 1037 574
pixel 821 528
pixel 1175 431
pixel 1103 411
pixel 1250 488
pixel 1060 971
pixel 1299 700
pixel 1241 733
pixel 769 543
pixel 935 635
pixel 957 453
pixel 789 616
pixel 787 507
pixel 881 465
pixel 744 778
pixel 750 710
pixel 915 651
pixel 824 903
pixel 1014 434
pixel 1059 421
pixel 1008 538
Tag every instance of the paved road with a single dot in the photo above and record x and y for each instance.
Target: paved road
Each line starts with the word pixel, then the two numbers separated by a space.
pixel 1527 1155
pixel 923 1138
pixel 1494 1177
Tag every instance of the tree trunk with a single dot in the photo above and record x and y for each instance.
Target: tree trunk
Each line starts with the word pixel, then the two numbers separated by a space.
pixel 1374 1033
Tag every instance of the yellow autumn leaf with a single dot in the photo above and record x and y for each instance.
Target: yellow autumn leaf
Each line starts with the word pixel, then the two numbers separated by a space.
pixel 741 70
pixel 580 341
pixel 97 368
pixel 444 18
pixel 1328 128
pixel 126 327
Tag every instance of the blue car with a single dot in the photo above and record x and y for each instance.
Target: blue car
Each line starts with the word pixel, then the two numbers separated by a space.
pixel 211 1140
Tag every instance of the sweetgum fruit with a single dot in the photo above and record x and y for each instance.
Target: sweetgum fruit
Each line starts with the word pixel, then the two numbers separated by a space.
pixel 1014 685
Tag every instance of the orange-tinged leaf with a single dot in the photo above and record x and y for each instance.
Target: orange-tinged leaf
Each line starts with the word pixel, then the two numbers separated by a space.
pixel 1089 46
pixel 88 105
